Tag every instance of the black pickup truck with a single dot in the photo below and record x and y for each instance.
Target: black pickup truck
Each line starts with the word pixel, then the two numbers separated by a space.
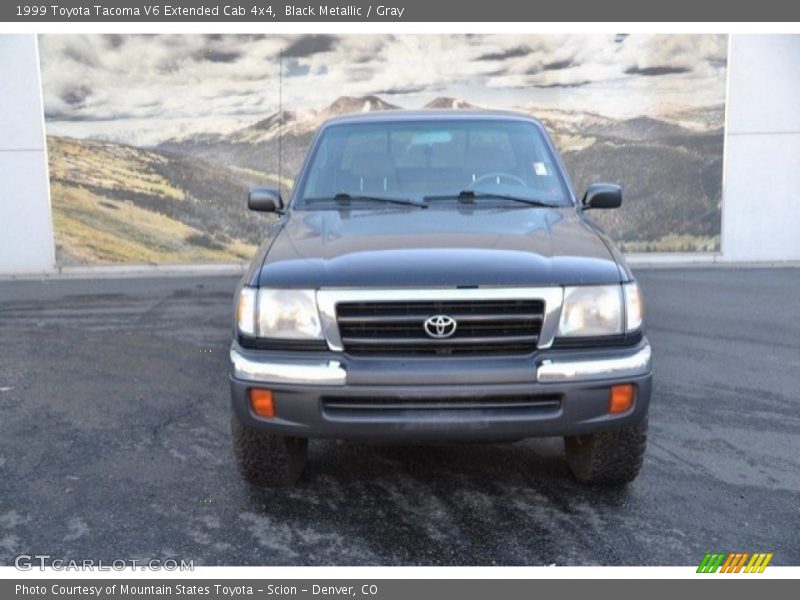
pixel 434 277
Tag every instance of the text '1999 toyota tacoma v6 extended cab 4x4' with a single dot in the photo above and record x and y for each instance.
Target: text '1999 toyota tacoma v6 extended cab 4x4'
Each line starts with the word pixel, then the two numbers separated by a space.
pixel 433 277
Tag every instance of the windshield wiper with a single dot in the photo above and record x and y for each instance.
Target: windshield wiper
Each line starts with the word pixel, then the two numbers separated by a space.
pixel 471 195
pixel 344 198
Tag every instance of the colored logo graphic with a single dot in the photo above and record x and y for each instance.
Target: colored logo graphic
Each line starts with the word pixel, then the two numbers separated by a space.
pixel 734 562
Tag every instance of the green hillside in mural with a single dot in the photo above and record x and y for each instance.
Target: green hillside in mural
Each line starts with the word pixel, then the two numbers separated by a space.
pixel 114 203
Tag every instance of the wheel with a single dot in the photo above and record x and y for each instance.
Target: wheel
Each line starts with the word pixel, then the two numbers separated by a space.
pixel 609 457
pixel 266 459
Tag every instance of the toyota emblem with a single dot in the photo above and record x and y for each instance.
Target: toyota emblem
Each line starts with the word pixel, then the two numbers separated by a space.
pixel 440 326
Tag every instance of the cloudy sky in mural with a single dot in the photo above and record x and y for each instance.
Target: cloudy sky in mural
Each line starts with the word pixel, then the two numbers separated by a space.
pixel 142 89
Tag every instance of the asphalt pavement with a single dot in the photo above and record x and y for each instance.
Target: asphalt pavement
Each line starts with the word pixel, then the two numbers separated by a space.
pixel 115 444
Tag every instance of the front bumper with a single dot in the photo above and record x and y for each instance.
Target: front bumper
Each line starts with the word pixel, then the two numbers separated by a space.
pixel 333 395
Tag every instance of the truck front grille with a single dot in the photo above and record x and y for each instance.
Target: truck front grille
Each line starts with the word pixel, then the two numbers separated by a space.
pixel 483 327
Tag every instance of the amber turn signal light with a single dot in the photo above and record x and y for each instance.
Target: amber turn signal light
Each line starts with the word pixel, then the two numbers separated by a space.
pixel 620 397
pixel 262 403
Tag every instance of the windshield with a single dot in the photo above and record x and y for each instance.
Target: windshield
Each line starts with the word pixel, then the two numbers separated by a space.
pixel 423 160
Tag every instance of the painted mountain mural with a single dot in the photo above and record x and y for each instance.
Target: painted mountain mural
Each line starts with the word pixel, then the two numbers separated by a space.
pixel 133 185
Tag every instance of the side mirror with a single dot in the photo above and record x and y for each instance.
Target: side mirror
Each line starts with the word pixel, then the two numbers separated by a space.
pixel 602 195
pixel 264 199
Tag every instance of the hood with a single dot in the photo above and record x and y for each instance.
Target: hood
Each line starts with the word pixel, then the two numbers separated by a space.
pixel 437 247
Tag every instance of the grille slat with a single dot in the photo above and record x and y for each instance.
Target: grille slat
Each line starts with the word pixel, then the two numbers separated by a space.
pixel 483 327
pixel 370 407
pixel 454 341
pixel 461 318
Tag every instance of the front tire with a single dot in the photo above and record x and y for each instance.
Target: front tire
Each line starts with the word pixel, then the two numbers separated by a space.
pixel 611 458
pixel 268 460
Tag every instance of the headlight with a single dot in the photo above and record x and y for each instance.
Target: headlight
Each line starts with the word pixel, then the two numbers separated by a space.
pixel 282 314
pixel 246 311
pixel 634 308
pixel 591 310
pixel 288 314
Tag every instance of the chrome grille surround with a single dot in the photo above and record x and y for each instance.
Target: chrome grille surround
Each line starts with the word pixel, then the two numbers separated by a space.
pixel 328 299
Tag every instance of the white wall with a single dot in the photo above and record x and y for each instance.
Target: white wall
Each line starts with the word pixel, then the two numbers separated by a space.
pixel 761 186
pixel 26 230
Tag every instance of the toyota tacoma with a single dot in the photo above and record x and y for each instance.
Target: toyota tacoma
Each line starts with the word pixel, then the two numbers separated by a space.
pixel 434 277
